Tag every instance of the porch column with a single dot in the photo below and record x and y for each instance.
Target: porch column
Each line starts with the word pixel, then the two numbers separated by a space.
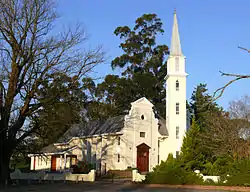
pixel 31 162
pixel 65 162
pixel 60 162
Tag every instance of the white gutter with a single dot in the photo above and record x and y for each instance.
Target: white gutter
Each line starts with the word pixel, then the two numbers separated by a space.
pixel 59 153
pixel 90 136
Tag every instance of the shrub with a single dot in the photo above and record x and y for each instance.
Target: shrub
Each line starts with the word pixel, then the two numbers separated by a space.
pixel 82 167
pixel 222 165
pixel 239 175
pixel 172 172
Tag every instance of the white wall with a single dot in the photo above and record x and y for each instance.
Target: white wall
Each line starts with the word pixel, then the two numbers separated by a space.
pixel 133 126
pixel 42 162
pixel 18 175
pixel 103 151
pixel 172 144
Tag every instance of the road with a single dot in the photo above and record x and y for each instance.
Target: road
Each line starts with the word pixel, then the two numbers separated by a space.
pixel 94 187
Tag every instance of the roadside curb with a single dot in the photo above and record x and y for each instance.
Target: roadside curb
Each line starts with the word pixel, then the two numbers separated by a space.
pixel 204 187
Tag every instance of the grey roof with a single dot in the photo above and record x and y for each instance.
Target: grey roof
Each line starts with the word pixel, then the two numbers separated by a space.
pixel 162 127
pixel 97 127
pixel 53 149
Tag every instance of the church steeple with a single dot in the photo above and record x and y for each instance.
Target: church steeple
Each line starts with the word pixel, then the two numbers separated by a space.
pixel 176 121
pixel 175 49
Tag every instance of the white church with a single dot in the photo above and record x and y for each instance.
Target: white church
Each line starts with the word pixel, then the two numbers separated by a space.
pixel 136 140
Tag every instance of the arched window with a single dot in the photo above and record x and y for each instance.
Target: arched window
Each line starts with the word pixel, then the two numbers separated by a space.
pixel 177 106
pixel 177 65
pixel 177 85
pixel 177 132
pixel 119 141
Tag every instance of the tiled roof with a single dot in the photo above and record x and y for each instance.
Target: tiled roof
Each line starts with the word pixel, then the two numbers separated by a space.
pixel 162 127
pixel 97 127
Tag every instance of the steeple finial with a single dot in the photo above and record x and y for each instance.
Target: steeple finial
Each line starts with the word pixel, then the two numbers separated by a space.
pixel 175 42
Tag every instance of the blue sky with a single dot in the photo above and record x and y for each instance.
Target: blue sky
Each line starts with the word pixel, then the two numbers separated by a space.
pixel 210 33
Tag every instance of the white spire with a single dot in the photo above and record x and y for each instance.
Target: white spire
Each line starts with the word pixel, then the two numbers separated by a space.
pixel 175 49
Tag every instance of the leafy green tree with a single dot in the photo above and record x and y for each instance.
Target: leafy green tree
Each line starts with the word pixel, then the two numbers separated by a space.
pixel 143 61
pixel 191 155
pixel 144 70
pixel 171 172
pixel 53 119
pixel 195 154
pixel 202 105
pixel 30 54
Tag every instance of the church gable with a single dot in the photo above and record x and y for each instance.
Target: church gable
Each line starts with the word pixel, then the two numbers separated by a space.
pixel 142 102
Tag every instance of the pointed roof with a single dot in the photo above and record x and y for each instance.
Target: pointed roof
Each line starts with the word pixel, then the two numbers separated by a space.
pixel 175 49
pixel 142 100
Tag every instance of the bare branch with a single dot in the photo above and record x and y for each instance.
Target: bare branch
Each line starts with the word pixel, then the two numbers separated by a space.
pixel 219 92
pixel 30 55
pixel 244 49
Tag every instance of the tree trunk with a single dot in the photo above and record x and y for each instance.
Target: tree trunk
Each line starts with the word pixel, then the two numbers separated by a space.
pixel 4 170
pixel 5 153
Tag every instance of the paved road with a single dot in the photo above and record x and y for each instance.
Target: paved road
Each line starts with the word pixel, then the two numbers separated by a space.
pixel 93 187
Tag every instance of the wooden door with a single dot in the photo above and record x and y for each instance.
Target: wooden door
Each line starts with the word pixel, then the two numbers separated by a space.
pixel 143 157
pixel 34 163
pixel 53 163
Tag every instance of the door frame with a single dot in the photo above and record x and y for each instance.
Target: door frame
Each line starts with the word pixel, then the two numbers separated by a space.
pixel 53 162
pixel 142 162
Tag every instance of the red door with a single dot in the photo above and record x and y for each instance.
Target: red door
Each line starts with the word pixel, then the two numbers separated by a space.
pixel 143 157
pixel 34 164
pixel 53 163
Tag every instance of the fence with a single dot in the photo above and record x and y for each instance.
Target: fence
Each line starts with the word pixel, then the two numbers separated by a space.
pixel 42 176
pixel 137 177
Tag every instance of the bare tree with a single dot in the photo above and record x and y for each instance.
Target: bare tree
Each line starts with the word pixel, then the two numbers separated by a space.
pixel 225 136
pixel 240 109
pixel 236 77
pixel 30 54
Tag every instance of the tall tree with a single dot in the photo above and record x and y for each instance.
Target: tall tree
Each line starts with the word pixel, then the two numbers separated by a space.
pixel 202 105
pixel 224 136
pixel 53 119
pixel 191 156
pixel 143 61
pixel 110 98
pixel 30 55
pixel 194 153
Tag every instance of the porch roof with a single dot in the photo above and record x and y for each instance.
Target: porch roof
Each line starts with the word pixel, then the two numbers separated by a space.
pixel 53 150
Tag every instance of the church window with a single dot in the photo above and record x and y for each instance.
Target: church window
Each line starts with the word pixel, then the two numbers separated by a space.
pixel 142 134
pixel 119 141
pixel 177 132
pixel 177 108
pixel 177 85
pixel 158 157
pixel 118 157
pixel 142 117
pixel 177 66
